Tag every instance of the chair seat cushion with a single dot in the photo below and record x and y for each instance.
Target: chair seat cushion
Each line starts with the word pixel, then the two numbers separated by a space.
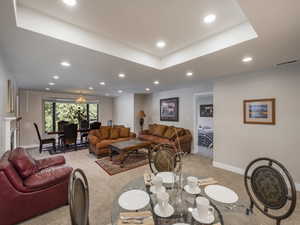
pixel 23 162
pixel 48 177
pixel 49 162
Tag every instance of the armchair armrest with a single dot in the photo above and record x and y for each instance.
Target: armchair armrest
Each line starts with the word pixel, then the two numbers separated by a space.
pixel 184 139
pixel 93 139
pixel 50 162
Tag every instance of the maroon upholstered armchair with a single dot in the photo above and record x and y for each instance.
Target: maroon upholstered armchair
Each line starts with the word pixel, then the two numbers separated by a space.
pixel 30 187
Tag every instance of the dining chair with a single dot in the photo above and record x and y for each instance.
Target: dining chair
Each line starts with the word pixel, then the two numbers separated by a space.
pixel 163 158
pixel 44 141
pixel 95 125
pixel 84 125
pixel 79 198
pixel 60 125
pixel 70 135
pixel 271 189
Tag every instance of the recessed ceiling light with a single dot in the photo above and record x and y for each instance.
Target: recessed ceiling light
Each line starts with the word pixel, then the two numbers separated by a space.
pixel 122 75
pixel 55 77
pixel 91 88
pixel 70 2
pixel 51 84
pixel 189 74
pixel 147 89
pixel 209 18
pixel 102 83
pixel 247 59
pixel 65 64
pixel 160 44
pixel 120 91
pixel 47 89
pixel 156 82
pixel 106 94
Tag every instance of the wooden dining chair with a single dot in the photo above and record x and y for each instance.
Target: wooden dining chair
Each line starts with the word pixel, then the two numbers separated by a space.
pixel 271 189
pixel 60 125
pixel 44 141
pixel 84 125
pixel 95 125
pixel 70 135
pixel 163 158
pixel 79 198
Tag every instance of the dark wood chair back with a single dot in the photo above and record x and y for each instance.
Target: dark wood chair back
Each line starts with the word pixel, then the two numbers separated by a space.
pixel 84 124
pixel 79 198
pixel 271 189
pixel 95 125
pixel 70 133
pixel 61 124
pixel 37 131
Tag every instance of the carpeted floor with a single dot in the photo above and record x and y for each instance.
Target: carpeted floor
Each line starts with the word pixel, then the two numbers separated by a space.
pixel 104 188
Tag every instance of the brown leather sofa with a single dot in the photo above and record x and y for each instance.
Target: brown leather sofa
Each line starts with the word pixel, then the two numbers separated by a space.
pixel 100 139
pixel 161 134
pixel 30 187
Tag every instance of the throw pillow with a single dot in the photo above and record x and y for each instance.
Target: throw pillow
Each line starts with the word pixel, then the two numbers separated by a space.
pixel 105 132
pixel 170 132
pixel 23 162
pixel 114 133
pixel 159 130
pixel 124 132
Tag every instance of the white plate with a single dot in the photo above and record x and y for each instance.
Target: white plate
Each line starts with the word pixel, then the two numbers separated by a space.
pixel 168 177
pixel 221 194
pixel 134 200
pixel 154 191
pixel 196 191
pixel 169 211
pixel 206 220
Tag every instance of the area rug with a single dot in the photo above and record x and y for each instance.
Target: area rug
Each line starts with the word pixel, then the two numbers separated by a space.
pixel 113 167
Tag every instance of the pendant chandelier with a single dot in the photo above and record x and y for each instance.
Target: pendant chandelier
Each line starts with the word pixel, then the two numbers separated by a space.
pixel 81 100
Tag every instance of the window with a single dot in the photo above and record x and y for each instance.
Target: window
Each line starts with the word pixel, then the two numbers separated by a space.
pixel 55 111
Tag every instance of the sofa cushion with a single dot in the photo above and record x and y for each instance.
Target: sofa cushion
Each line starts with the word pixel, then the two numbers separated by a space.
pixel 48 177
pixel 159 130
pixel 105 143
pixel 170 132
pixel 49 162
pixel 114 133
pixel 147 137
pixel 124 132
pixel 23 162
pixel 105 132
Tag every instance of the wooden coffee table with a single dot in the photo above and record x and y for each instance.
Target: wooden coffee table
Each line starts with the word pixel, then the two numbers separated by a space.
pixel 125 148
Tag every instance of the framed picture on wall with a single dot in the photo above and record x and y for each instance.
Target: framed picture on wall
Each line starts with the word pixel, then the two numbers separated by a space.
pixel 207 110
pixel 169 109
pixel 260 111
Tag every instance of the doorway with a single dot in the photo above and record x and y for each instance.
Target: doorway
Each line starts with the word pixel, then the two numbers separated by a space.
pixel 203 125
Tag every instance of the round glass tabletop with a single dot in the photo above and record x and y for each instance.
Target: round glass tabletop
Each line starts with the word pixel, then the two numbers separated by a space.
pixel 184 204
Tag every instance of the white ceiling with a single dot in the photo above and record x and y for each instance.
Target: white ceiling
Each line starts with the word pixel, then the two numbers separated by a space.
pixel 34 58
pixel 140 23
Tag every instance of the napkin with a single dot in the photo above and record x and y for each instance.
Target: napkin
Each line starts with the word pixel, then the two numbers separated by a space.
pixel 148 177
pixel 207 181
pixel 132 215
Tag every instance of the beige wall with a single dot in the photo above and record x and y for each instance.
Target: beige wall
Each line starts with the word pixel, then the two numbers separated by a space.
pixel 123 110
pixel 31 111
pixel 236 143
pixel 4 76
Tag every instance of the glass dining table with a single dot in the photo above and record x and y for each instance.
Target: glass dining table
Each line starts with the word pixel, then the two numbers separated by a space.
pixel 225 214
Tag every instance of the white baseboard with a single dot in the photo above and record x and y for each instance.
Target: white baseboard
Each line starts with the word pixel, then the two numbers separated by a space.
pixel 29 146
pixel 238 170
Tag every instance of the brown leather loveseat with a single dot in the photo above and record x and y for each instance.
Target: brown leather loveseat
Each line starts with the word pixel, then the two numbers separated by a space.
pixel 29 187
pixel 161 134
pixel 100 139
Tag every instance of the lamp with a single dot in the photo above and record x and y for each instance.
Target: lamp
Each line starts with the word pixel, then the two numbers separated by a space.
pixel 141 115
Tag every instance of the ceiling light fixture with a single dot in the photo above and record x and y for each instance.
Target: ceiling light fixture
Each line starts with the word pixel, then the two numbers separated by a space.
pixel 55 77
pixel 160 44
pixel 209 18
pixel 47 89
pixel 51 84
pixel 120 91
pixel 188 74
pixel 65 64
pixel 148 89
pixel 70 2
pixel 247 59
pixel 122 75
pixel 102 83
pixel 80 100
pixel 91 88
pixel 156 82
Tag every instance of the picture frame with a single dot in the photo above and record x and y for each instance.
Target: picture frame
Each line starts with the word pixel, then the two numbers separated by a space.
pixel 207 110
pixel 169 109
pixel 260 111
